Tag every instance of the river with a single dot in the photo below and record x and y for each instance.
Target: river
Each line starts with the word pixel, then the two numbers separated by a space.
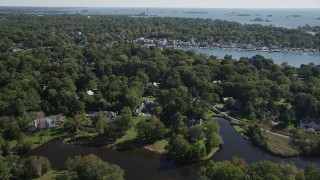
pixel 143 164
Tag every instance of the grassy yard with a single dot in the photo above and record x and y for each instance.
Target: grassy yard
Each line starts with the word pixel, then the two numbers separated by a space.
pixel 214 150
pixel 45 135
pixel 240 129
pixel 281 146
pixel 131 134
pixel 152 98
pixel 158 146
pixel 241 116
pixel 209 114
pixel 49 175
pixel 219 105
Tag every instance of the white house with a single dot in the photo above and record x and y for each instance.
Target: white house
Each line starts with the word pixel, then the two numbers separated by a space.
pixel 90 93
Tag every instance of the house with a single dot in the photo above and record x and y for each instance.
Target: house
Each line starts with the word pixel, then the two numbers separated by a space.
pixel 109 114
pixel 154 84
pixel 138 111
pixel 46 122
pixel 90 93
pixel 310 123
pixel 145 107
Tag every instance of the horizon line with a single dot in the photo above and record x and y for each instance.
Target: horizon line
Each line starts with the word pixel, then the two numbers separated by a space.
pixel 163 7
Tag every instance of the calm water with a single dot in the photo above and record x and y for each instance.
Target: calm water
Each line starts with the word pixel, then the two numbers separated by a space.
pixel 289 18
pixel 143 164
pixel 293 59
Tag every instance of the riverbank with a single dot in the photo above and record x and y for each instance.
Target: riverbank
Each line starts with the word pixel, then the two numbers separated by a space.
pixel 277 144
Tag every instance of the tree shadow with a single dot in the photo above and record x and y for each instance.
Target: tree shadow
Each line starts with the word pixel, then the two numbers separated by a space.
pixel 134 144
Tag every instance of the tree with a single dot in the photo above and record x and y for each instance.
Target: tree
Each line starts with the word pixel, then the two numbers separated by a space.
pixel 74 124
pixel 23 145
pixel 5 169
pixel 257 135
pixel 196 133
pixel 123 122
pixel 152 129
pixel 221 171
pixel 35 166
pixel 230 103
pixel 178 147
pixel 92 167
pixel 312 172
pixel 100 122
pixel 212 134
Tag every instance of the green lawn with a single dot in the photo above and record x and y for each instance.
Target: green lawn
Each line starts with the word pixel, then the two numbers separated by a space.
pixel 43 136
pixel 240 129
pixel 219 105
pixel 49 175
pixel 241 116
pixel 152 98
pixel 158 146
pixel 209 114
pixel 131 134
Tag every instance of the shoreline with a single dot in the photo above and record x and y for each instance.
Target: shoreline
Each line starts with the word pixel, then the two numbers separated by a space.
pixel 275 152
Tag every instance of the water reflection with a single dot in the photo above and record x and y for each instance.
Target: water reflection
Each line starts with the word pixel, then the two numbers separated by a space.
pixel 143 164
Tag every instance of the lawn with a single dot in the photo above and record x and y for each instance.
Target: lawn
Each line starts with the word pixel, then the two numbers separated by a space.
pixel 240 129
pixel 219 105
pixel 45 135
pixel 158 146
pixel 131 134
pixel 209 114
pixel 152 98
pixel 49 175
pixel 282 146
pixel 241 116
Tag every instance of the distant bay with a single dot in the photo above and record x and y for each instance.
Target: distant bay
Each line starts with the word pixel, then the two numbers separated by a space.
pixel 293 59
pixel 288 18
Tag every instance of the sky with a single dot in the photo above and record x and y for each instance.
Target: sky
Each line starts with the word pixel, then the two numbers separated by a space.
pixel 167 3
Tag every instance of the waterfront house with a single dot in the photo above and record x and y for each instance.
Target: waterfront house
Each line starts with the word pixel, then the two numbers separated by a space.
pixel 46 122
pixel 310 123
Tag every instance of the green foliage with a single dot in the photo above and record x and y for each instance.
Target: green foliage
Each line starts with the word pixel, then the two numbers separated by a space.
pixel 92 167
pixel 221 171
pixel 57 65
pixel 74 124
pixel 237 169
pixel 257 135
pixel 23 145
pixel 34 166
pixel 178 147
pixel 5 169
pixel 201 139
pixel 100 122
pixel 230 103
pixel 152 129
